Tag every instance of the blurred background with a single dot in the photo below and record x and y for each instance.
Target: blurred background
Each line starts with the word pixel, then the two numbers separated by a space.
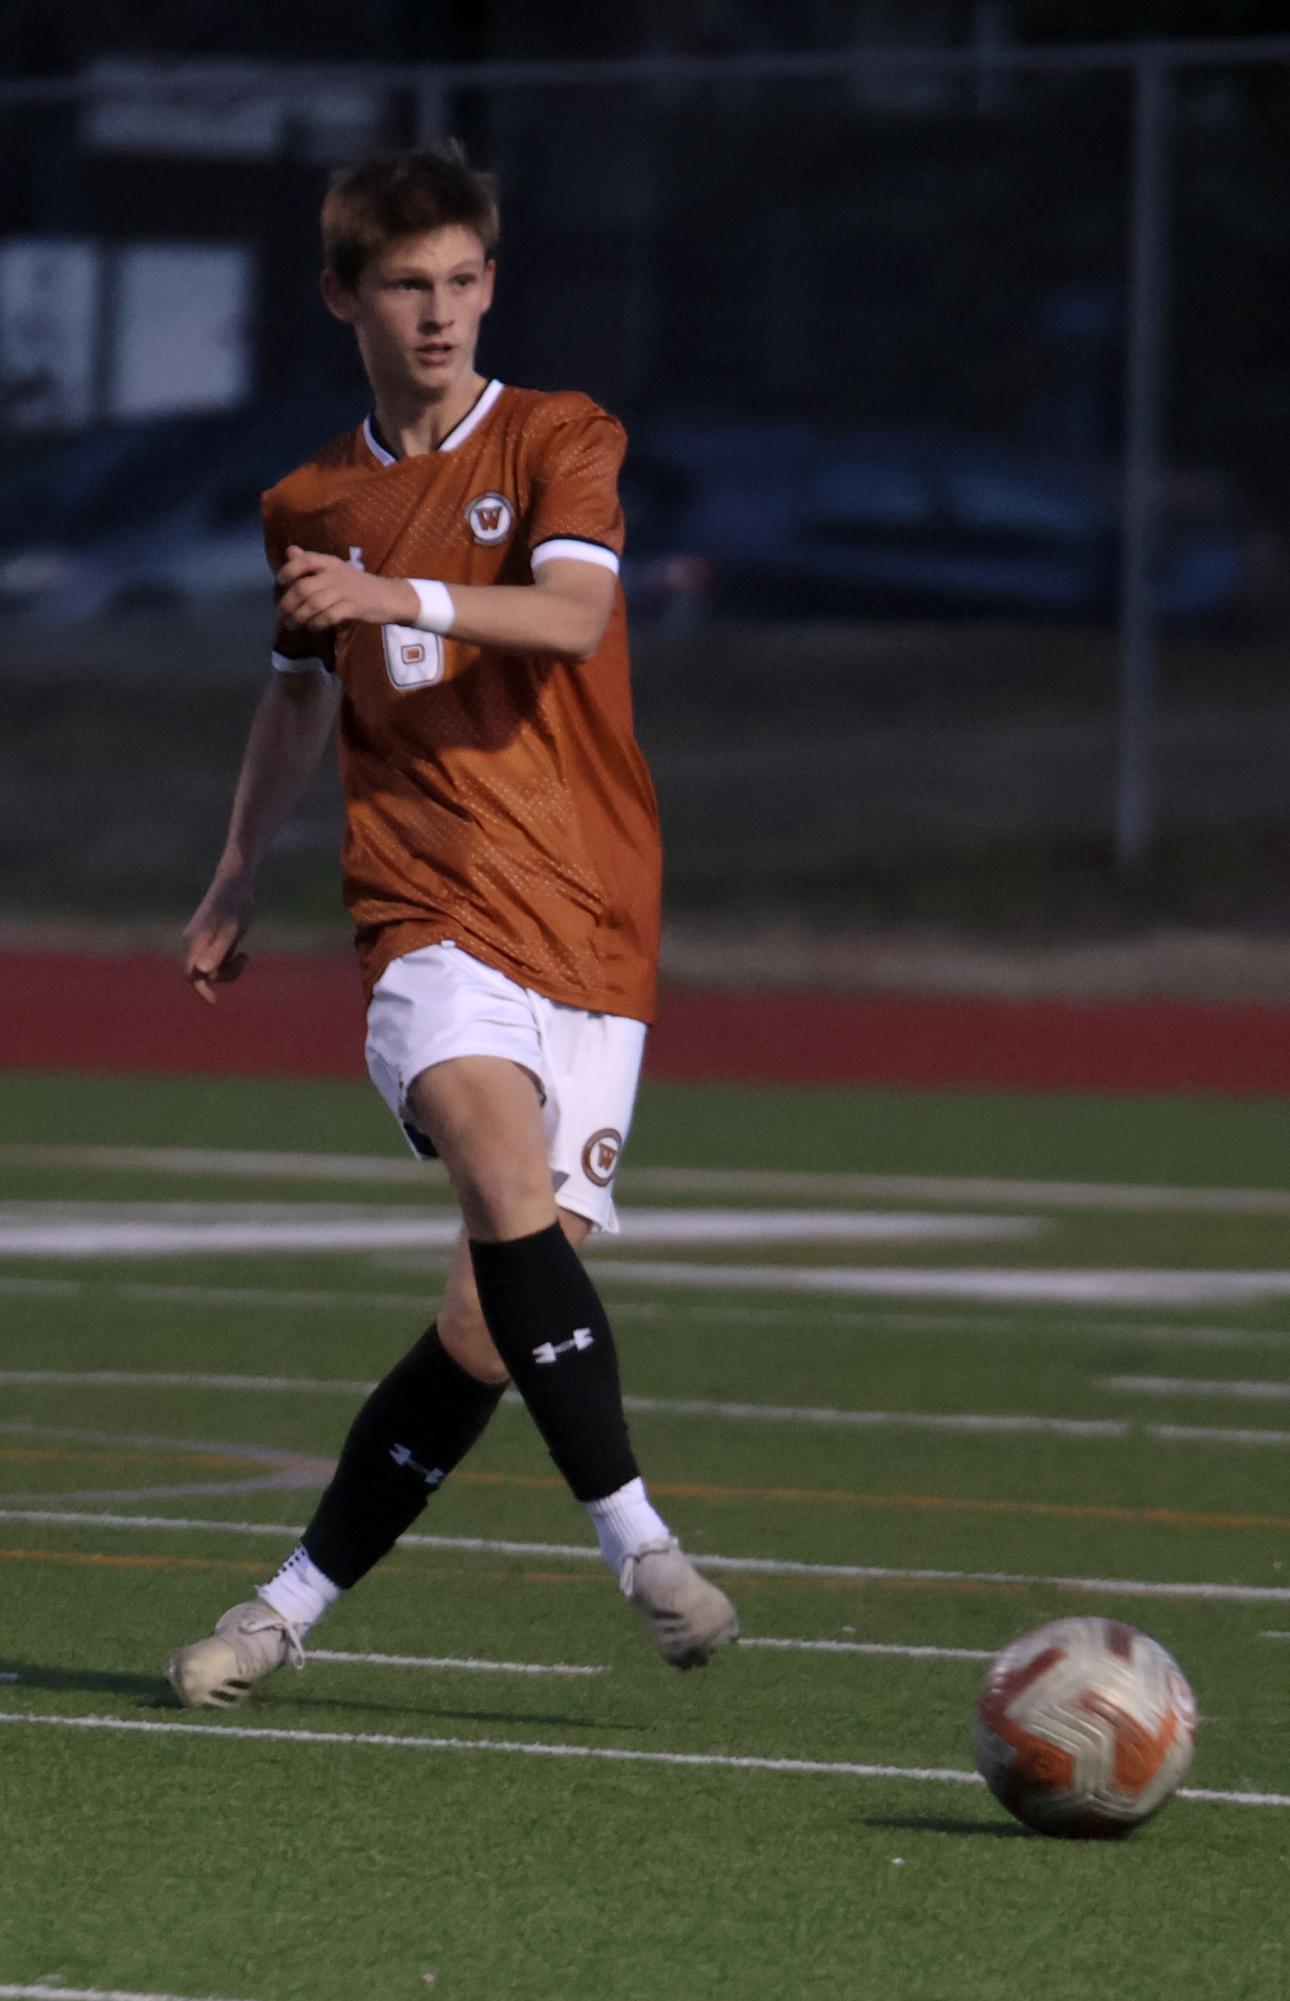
pixel 953 340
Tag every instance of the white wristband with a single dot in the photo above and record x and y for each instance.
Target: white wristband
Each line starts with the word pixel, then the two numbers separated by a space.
pixel 436 613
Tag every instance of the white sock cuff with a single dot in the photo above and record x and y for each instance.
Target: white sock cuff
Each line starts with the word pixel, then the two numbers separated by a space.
pixel 625 1522
pixel 300 1591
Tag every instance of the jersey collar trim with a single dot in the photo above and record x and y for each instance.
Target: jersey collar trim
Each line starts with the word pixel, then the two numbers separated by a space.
pixel 473 418
pixel 460 431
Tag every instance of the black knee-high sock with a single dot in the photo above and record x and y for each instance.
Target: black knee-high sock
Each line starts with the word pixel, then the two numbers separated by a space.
pixel 417 1424
pixel 550 1329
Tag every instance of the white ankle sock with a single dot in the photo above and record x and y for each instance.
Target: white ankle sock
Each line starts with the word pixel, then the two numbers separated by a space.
pixel 300 1591
pixel 625 1521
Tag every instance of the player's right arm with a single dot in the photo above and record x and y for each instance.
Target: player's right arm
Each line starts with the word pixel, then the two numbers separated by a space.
pixel 288 737
pixel 286 743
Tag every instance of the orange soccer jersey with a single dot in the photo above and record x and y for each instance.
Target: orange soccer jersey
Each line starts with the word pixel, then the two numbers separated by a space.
pixel 497 799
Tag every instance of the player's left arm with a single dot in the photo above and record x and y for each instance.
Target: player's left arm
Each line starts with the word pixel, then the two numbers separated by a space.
pixel 564 611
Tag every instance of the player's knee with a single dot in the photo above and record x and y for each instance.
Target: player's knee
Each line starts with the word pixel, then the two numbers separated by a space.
pixel 507 1192
pixel 511 1200
pixel 466 1338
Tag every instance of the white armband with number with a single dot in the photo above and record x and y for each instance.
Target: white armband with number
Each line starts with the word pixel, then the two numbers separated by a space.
pixel 436 613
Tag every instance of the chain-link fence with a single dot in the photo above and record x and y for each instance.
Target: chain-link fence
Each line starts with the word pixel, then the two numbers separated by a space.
pixel 957 397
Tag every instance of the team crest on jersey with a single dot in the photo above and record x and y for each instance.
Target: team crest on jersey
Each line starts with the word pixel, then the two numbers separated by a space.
pixel 600 1156
pixel 490 518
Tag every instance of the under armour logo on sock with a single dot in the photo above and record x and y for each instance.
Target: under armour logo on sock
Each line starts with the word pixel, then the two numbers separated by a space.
pixel 432 1475
pixel 551 1351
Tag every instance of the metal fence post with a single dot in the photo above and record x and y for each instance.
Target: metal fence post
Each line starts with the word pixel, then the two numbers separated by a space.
pixel 1144 372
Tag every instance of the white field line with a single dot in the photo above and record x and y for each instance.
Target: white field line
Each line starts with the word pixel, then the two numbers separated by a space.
pixel 980 1424
pixel 1196 1386
pixel 987 1191
pixel 1021 1322
pixel 762 1566
pixel 43 1992
pixel 638 1405
pixel 1274 1635
pixel 227 1162
pixel 347 1167
pixel 1214 1434
pixel 599 1753
pixel 292 1299
pixel 1207 1795
pixel 37 1288
pixel 985 1424
pixel 167 1229
pixel 388 1741
pixel 174 1229
pixel 873 1647
pixel 871 1320
pixel 1000 1286
pixel 161 1379
pixel 449 1662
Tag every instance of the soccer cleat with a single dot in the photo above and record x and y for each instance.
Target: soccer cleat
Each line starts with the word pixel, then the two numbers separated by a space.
pixel 249 1643
pixel 688 1617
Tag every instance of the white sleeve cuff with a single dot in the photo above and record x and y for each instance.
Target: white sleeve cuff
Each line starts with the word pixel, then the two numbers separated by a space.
pixel 437 611
pixel 572 549
pixel 283 663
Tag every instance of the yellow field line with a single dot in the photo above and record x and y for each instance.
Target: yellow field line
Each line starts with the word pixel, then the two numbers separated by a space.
pixel 101 1558
pixel 952 1504
pixel 699 1490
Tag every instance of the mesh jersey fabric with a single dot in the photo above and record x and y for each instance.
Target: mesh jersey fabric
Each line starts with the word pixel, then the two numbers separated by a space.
pixel 505 803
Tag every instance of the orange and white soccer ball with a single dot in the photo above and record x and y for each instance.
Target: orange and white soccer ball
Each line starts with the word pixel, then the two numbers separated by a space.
pixel 1084 1727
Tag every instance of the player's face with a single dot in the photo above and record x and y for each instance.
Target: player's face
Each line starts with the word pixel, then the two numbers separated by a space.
pixel 416 312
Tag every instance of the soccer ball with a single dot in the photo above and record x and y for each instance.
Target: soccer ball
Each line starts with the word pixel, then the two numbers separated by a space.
pixel 1084 1727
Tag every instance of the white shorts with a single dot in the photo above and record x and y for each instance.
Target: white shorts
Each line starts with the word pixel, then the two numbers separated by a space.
pixel 440 1002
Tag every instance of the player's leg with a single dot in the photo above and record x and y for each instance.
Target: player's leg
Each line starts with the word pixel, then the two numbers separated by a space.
pixel 425 1415
pixel 417 1424
pixel 427 1412
pixel 593 1064
pixel 415 1427
pixel 550 1328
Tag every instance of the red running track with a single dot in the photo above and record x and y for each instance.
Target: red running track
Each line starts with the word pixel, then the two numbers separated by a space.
pixel 297 1016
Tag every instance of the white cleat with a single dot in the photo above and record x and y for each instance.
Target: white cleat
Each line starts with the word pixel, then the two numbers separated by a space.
pixel 249 1644
pixel 688 1617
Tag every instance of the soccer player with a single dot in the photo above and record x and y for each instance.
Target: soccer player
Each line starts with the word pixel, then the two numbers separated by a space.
pixel 447 581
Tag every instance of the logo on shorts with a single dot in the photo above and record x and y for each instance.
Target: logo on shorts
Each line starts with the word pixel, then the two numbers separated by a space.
pixel 412 656
pixel 490 517
pixel 600 1156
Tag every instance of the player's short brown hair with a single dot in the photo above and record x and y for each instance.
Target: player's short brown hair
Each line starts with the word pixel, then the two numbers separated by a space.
pixel 396 195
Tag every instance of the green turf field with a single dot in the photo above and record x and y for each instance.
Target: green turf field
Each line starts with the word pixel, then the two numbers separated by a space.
pixel 488 1831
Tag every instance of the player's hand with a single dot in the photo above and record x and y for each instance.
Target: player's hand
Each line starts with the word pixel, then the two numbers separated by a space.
pixel 213 936
pixel 319 592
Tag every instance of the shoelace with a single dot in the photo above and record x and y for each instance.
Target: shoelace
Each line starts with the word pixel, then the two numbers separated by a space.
pixel 295 1645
